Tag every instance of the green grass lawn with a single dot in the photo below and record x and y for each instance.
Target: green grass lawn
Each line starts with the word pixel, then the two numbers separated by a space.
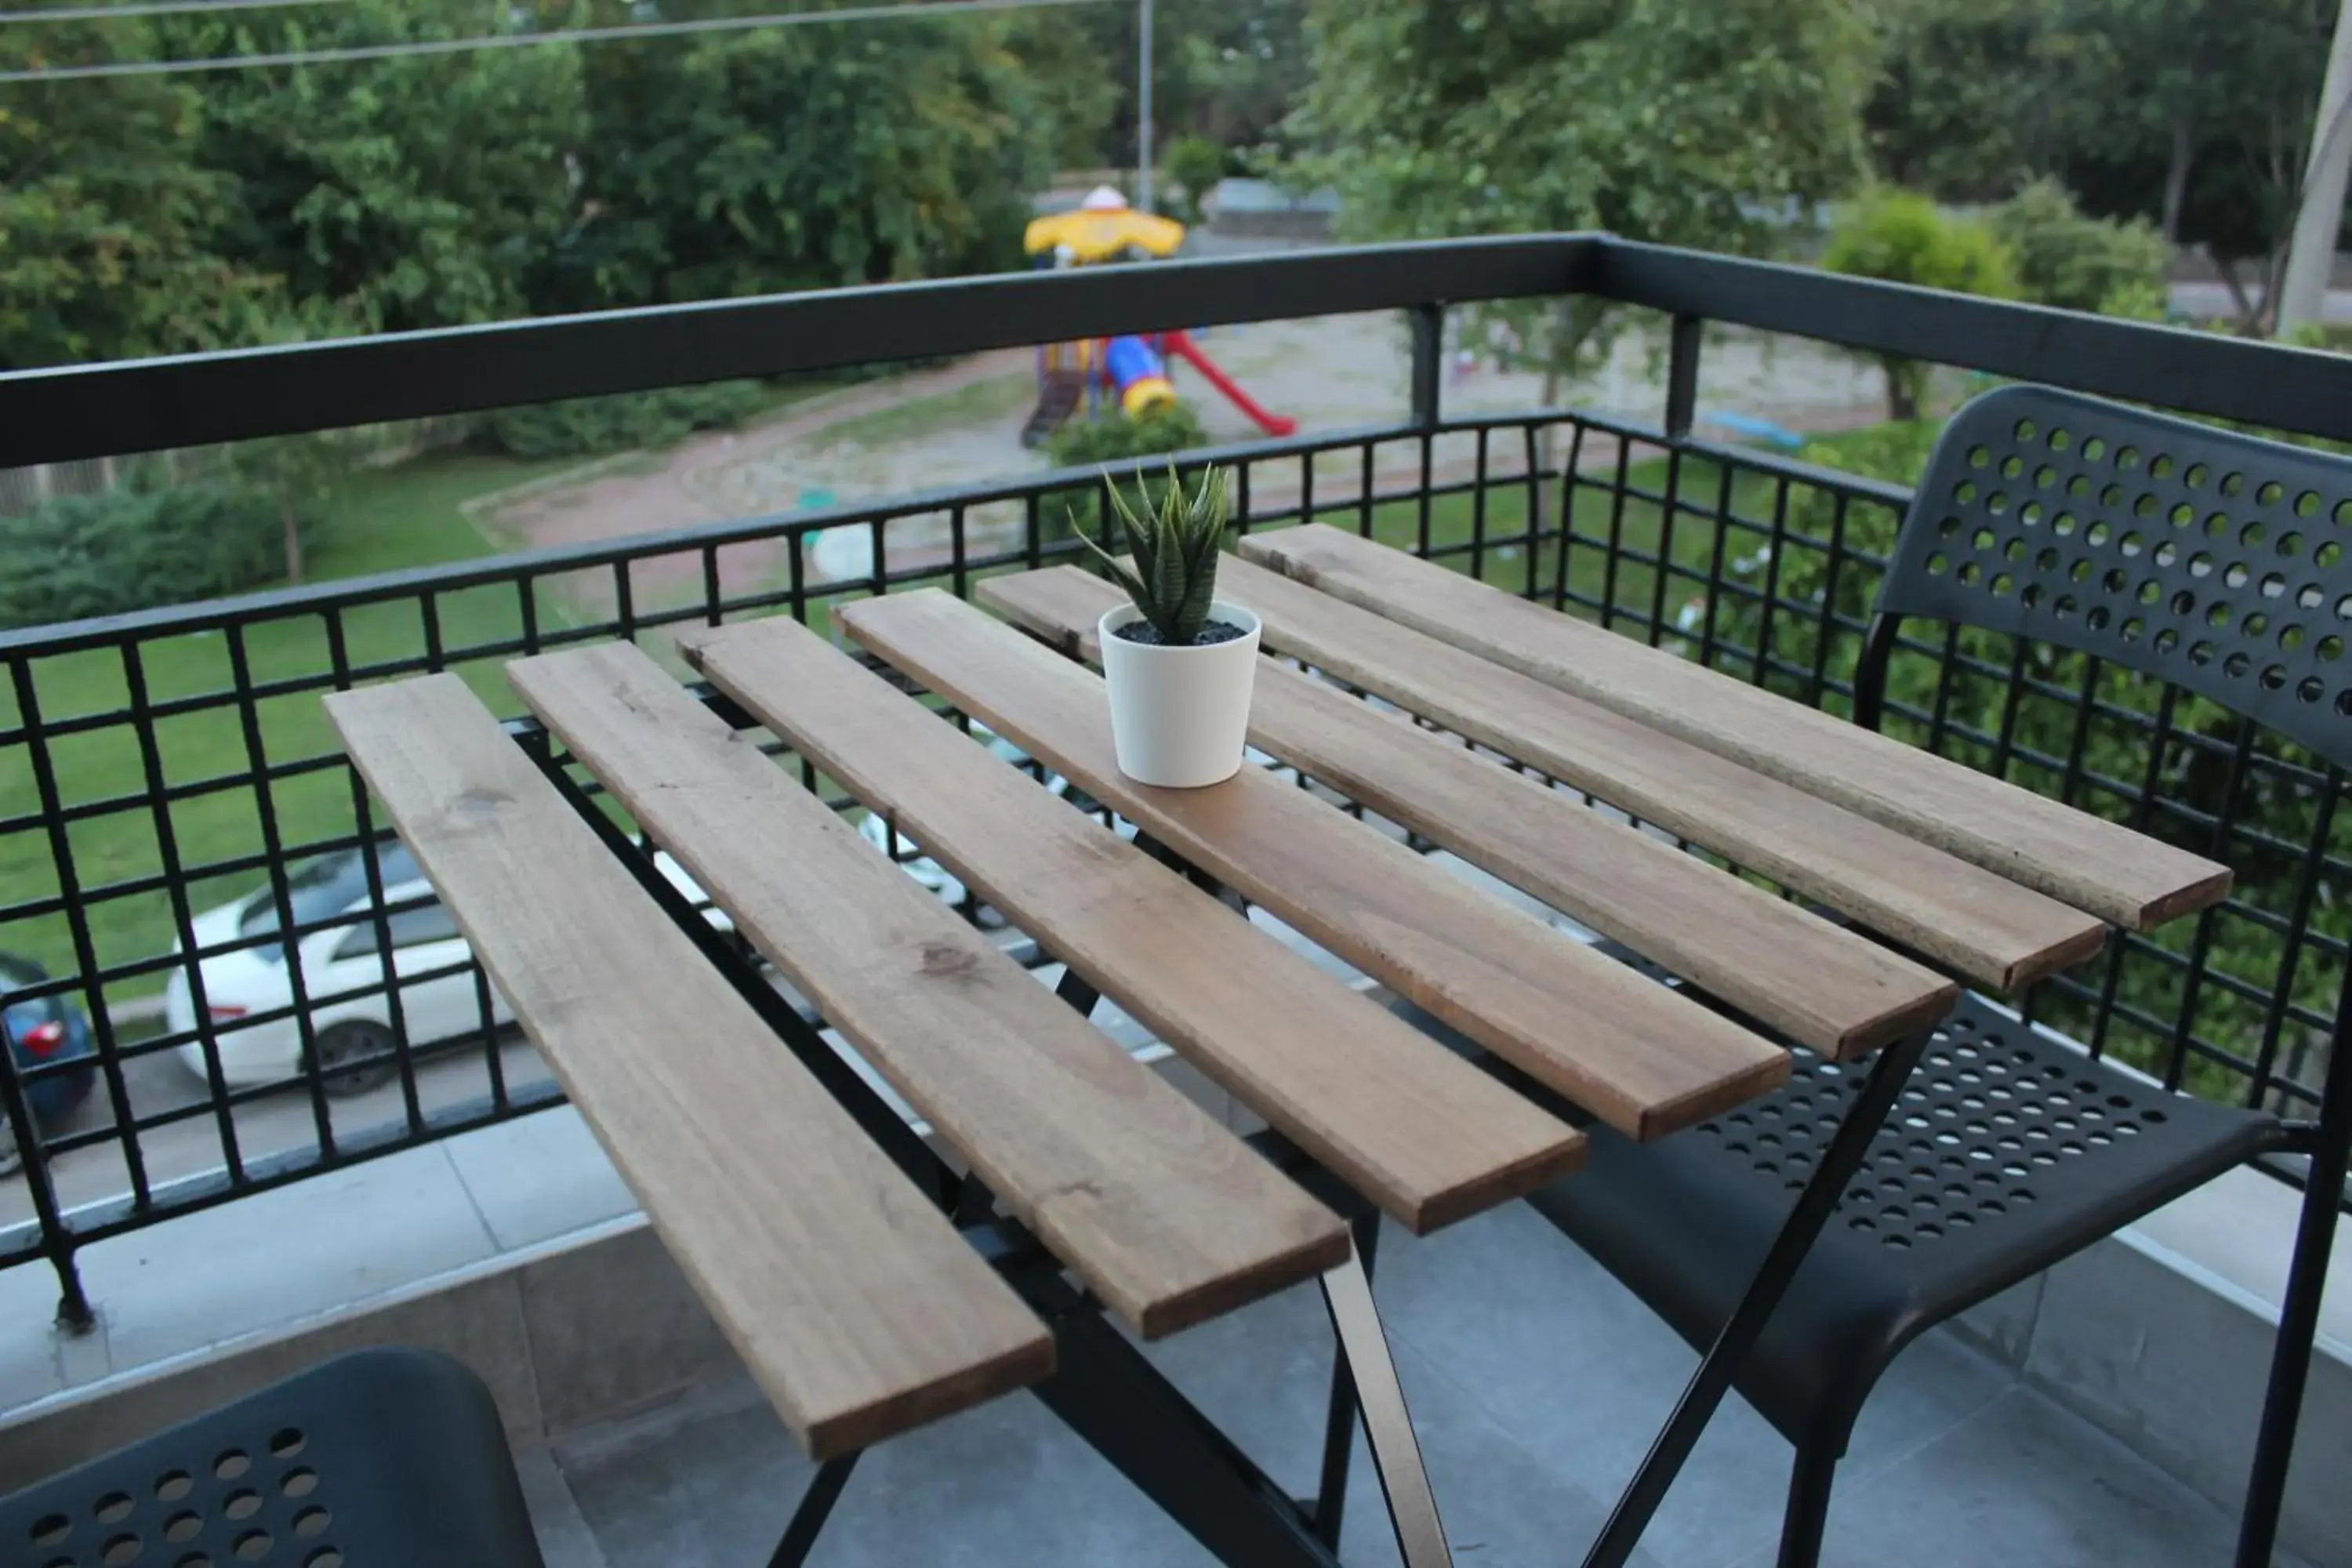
pixel 380 521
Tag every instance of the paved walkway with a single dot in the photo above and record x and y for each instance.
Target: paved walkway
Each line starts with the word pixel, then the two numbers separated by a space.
pixel 1534 1380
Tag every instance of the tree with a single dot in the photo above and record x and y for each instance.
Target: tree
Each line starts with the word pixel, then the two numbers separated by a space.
pixel 2193 115
pixel 1194 166
pixel 108 224
pixel 2198 113
pixel 415 191
pixel 1706 122
pixel 1901 237
pixel 802 157
pixel 1964 107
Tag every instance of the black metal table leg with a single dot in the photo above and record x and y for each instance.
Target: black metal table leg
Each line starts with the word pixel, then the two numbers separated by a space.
pixel 1815 1204
pixel 1363 1352
pixel 1108 1394
pixel 816 1508
pixel 1339 1424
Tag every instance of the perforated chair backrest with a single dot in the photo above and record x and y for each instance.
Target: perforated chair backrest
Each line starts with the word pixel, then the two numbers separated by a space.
pixel 2218 562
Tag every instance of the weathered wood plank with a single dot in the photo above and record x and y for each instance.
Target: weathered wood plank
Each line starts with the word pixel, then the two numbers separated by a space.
pixel 853 1302
pixel 1634 1052
pixel 1166 1215
pixel 1988 929
pixel 1823 986
pixel 1419 1131
pixel 2120 875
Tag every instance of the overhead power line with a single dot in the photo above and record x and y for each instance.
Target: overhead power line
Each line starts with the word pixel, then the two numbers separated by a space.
pixel 534 40
pixel 154 8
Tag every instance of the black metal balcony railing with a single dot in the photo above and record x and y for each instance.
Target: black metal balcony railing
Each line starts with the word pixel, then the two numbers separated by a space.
pixel 1760 565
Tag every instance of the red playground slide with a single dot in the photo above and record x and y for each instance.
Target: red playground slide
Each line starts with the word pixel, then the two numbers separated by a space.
pixel 1180 345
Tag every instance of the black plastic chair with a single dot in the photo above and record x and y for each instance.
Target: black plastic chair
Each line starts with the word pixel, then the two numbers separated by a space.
pixel 2010 1150
pixel 382 1457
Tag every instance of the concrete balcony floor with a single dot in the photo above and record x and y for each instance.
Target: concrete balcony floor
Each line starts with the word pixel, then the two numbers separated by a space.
pixel 1535 1382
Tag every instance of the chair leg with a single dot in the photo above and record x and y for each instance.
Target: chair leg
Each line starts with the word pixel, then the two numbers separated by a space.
pixel 1809 1507
pixel 2298 1327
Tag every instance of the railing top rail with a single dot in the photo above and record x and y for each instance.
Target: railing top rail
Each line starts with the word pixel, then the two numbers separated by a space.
pixel 2308 391
pixel 89 411
pixel 140 405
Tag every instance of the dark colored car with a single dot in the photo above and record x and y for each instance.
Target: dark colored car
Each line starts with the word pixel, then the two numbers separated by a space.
pixel 41 1033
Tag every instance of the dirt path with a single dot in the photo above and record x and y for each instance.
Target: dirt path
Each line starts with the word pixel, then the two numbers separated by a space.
pixel 959 425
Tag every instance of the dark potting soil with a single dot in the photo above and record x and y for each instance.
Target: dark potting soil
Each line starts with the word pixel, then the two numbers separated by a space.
pixel 1147 635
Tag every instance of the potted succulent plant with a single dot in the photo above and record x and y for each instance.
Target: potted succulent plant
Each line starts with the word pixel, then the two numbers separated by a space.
pixel 1179 659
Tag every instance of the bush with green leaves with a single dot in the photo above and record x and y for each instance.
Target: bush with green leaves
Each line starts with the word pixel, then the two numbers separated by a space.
pixel 133 550
pixel 1901 237
pixel 1196 165
pixel 2042 728
pixel 2064 257
pixel 1115 439
pixel 590 427
pixel 1083 443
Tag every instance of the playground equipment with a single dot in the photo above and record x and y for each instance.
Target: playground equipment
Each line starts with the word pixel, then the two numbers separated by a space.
pixel 1129 372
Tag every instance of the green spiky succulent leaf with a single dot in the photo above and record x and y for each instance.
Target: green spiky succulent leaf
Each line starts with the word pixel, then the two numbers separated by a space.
pixel 1174 549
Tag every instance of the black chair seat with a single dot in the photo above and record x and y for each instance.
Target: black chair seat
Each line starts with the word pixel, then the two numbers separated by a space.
pixel 381 1459
pixel 2007 1152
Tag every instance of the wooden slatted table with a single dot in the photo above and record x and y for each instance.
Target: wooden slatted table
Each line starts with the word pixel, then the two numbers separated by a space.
pixel 872 1284
pixel 2108 870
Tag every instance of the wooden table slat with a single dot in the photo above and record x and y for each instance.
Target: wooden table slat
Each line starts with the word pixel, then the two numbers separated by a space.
pixel 2120 875
pixel 1168 1216
pixel 1634 1052
pixel 849 1296
pixel 1988 929
pixel 1423 1132
pixel 1825 986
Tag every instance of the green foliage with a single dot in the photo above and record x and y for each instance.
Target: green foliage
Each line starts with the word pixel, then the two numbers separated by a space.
pixel 1075 89
pixel 2196 113
pixel 2044 723
pixel 2080 263
pixel 1900 237
pixel 1196 165
pixel 1174 546
pixel 2193 115
pixel 130 549
pixel 585 427
pixel 1963 110
pixel 1701 123
pixel 1116 437
pixel 802 157
pixel 417 191
pixel 1228 71
pixel 108 223
pixel 1083 443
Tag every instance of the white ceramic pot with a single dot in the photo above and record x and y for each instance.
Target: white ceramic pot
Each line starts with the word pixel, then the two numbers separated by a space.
pixel 1179 715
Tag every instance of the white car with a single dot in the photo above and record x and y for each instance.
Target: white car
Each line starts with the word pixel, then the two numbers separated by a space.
pixel 354 1033
pixel 938 878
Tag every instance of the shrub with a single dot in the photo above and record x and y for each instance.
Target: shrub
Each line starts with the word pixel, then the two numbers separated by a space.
pixel 130 549
pixel 1903 238
pixel 588 426
pixel 1113 440
pixel 1081 442
pixel 1196 165
pixel 2080 263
